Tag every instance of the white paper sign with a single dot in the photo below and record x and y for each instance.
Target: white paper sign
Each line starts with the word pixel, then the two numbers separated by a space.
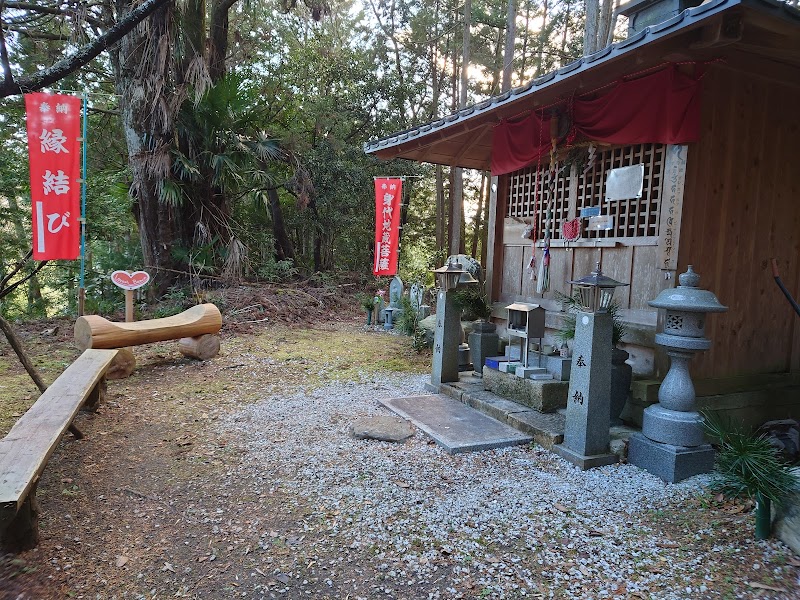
pixel 625 182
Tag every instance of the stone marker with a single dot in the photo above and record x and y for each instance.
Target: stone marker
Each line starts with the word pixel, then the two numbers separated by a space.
pixel 483 342
pixel 586 437
pixel 395 292
pixel 383 428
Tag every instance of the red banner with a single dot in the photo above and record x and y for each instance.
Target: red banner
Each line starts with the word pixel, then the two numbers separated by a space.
pixel 388 193
pixel 54 122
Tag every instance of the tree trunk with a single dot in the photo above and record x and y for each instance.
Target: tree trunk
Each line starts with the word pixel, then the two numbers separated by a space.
pixel 543 38
pixel 476 231
pixel 590 33
pixel 457 189
pixel 508 53
pixel 148 106
pixel 441 214
pixel 283 245
pixel 485 227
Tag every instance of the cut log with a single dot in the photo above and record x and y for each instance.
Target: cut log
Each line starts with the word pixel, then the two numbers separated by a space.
pixel 123 365
pixel 93 331
pixel 202 347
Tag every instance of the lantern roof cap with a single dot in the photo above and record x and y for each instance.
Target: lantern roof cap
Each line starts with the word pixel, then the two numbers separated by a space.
pixel 597 279
pixel 687 297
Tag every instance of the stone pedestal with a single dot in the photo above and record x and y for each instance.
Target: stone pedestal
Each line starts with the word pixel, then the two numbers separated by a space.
pixel 667 461
pixel 446 341
pixel 586 436
pixel 483 343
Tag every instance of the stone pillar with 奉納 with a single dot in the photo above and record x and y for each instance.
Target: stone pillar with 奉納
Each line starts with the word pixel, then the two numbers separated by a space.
pixel 672 443
pixel 447 335
pixel 586 434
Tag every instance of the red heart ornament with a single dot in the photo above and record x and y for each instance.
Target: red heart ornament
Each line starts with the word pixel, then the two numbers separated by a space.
pixel 129 281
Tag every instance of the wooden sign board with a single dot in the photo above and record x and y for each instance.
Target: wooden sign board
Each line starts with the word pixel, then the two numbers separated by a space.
pixel 671 207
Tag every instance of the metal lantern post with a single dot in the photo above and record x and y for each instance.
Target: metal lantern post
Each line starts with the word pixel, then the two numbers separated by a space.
pixel 447 335
pixel 672 444
pixel 586 435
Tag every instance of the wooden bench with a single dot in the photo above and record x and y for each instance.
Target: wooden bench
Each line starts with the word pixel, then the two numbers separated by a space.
pixel 195 328
pixel 24 452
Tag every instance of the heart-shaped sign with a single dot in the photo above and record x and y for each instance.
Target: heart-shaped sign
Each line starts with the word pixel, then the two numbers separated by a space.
pixel 130 280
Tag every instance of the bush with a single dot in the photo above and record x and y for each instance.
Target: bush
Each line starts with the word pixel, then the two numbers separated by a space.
pixel 406 322
pixel 748 465
pixel 567 331
pixel 473 303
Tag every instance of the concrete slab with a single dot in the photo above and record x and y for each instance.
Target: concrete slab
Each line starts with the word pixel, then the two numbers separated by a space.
pixel 455 426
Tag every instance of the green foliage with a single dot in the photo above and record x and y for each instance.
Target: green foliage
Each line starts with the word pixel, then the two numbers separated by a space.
pixel 407 321
pixel 472 303
pixel 366 302
pixel 176 300
pixel 572 303
pixel 746 464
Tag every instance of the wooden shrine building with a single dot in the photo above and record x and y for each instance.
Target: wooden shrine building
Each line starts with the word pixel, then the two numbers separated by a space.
pixel 705 98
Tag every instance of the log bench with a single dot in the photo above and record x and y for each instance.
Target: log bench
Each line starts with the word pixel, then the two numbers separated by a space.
pixel 195 328
pixel 24 452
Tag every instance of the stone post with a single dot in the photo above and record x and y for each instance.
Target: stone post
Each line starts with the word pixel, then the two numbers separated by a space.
pixel 446 340
pixel 586 437
pixel 483 342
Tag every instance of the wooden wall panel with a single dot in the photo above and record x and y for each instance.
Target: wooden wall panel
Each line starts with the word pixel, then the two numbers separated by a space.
pixel 647 276
pixel 741 210
pixel 512 272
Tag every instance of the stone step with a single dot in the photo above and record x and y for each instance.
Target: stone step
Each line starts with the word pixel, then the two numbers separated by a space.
pixel 546 429
pixel 455 426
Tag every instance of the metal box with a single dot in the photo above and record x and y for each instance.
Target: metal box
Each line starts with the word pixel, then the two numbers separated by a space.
pixel 525 322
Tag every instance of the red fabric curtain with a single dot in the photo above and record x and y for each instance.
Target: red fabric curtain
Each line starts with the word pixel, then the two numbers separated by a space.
pixel 520 143
pixel 660 108
pixel 663 108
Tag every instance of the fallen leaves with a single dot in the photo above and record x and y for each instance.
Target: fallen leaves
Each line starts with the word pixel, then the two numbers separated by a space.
pixel 122 560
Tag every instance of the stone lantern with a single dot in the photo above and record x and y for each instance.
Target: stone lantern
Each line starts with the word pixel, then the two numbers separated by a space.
pixel 596 291
pixel 672 444
pixel 586 434
pixel 447 335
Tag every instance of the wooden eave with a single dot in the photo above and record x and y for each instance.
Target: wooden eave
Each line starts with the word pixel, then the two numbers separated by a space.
pixel 757 37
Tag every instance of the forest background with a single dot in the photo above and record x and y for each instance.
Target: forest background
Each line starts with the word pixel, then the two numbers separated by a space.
pixel 225 137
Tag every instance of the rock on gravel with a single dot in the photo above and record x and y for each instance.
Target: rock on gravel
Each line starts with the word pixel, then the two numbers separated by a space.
pixel 381 428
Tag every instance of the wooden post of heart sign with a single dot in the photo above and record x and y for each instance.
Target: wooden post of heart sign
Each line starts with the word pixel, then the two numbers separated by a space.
pixel 129 281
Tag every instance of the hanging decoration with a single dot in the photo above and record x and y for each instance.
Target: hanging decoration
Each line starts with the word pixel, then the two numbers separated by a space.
pixel 388 193
pixel 543 281
pixel 53 123
pixel 571 230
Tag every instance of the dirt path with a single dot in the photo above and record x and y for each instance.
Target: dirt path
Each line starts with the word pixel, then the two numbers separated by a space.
pixel 211 481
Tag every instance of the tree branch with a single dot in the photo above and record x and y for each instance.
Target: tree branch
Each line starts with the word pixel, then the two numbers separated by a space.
pixel 84 55
pixel 6 291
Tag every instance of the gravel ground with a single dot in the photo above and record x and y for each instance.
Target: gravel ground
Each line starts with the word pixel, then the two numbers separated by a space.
pixel 237 478
pixel 414 522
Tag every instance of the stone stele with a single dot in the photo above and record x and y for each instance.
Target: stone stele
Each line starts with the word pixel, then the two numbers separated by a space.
pixel 383 428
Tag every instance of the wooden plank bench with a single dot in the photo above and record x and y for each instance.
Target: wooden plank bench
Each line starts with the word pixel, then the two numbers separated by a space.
pixel 24 452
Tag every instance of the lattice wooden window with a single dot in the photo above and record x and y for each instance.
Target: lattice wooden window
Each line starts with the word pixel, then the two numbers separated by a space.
pixel 637 217
pixel 634 218
pixel 532 191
